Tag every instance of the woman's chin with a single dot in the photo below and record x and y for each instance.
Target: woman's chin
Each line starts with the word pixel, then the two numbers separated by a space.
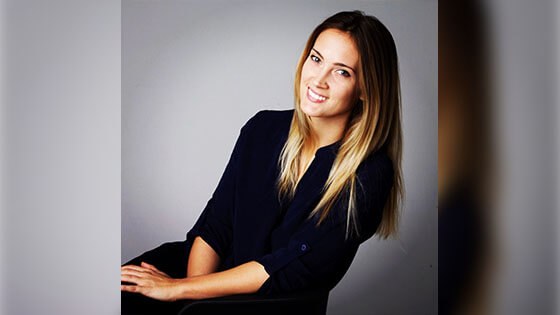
pixel 312 110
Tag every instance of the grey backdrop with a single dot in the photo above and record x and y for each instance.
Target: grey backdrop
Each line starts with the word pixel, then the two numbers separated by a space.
pixel 194 72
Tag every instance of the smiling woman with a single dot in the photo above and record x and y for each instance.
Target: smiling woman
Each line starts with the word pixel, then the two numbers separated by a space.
pixel 327 175
pixel 328 79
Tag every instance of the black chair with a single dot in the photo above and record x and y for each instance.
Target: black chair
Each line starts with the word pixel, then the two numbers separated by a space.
pixel 309 303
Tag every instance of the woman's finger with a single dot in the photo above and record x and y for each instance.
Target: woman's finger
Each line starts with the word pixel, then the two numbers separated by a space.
pixel 131 288
pixel 136 268
pixel 148 266
pixel 131 279
pixel 145 264
pixel 132 267
pixel 135 273
pixel 153 268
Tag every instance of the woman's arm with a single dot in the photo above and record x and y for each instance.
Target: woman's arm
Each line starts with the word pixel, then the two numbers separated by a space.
pixel 149 281
pixel 243 279
pixel 203 259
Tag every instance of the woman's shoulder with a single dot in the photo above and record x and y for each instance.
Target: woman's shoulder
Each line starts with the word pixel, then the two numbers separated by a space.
pixel 269 122
pixel 271 117
pixel 376 167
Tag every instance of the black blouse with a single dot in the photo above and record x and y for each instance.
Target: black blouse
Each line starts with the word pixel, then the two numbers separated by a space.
pixel 245 221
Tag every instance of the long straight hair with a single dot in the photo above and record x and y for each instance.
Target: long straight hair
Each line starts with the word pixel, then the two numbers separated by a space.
pixel 374 123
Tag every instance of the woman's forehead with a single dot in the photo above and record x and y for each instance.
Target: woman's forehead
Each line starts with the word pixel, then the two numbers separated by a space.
pixel 336 46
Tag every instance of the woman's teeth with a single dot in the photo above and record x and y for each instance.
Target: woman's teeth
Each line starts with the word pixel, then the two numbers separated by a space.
pixel 316 96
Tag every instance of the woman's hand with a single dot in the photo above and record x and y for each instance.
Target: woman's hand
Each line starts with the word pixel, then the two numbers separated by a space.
pixel 149 281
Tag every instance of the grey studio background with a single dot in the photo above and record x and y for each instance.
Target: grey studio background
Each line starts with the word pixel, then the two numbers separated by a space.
pixel 194 72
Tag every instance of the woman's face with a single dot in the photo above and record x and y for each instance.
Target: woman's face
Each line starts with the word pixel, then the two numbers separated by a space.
pixel 328 87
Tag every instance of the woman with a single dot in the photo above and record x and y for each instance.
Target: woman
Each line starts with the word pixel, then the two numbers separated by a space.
pixel 303 188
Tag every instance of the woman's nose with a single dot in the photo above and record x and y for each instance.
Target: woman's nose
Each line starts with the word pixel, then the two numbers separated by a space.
pixel 320 78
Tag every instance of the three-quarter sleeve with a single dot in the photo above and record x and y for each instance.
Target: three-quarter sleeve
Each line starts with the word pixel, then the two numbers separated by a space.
pixel 215 223
pixel 318 256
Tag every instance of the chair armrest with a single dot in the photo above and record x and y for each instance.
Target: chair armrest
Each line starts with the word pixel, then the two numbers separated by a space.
pixel 312 303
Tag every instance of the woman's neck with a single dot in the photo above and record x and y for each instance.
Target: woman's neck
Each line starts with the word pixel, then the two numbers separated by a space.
pixel 326 131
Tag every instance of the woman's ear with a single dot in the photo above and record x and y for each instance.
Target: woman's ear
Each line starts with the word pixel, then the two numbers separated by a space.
pixel 360 95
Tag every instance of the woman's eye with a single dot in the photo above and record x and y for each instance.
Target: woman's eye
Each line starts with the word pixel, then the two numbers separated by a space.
pixel 343 73
pixel 314 58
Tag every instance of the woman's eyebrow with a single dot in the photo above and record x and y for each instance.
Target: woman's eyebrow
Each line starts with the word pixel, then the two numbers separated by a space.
pixel 336 63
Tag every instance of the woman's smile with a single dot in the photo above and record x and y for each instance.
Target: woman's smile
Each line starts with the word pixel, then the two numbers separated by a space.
pixel 314 96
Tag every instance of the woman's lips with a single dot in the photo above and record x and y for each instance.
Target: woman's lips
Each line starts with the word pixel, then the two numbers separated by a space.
pixel 315 97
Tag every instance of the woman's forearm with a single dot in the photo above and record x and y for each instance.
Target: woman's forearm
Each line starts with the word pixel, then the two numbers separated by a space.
pixel 146 279
pixel 203 259
pixel 244 279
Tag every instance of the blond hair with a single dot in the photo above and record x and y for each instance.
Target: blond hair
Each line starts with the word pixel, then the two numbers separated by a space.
pixel 374 123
